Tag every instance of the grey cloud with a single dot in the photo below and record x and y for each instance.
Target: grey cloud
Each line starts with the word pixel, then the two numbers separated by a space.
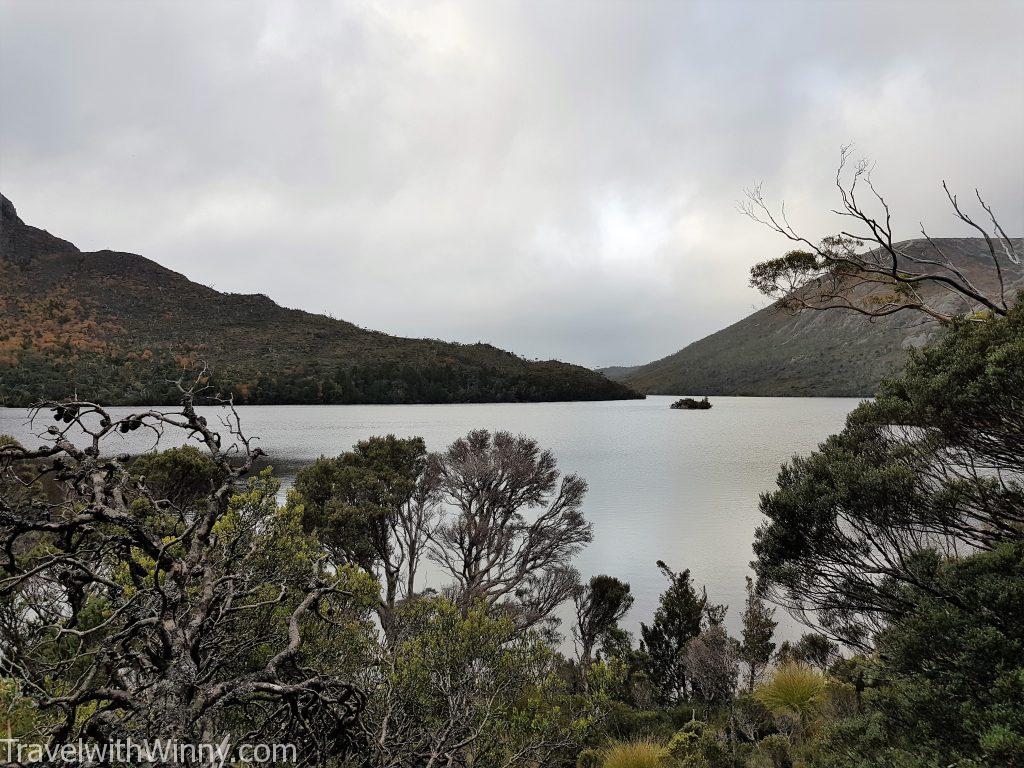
pixel 556 178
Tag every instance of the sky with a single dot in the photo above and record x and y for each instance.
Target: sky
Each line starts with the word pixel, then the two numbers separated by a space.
pixel 556 178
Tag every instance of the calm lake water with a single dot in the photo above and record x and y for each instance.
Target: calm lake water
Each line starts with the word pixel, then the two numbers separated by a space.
pixel 679 486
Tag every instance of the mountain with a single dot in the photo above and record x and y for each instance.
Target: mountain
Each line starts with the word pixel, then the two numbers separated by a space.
pixel 619 372
pixel 119 328
pixel 838 353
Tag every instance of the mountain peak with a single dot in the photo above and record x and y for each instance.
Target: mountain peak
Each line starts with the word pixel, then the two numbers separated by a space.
pixel 7 211
pixel 20 243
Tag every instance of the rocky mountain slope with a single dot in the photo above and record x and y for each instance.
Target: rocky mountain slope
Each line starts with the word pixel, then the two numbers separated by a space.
pixel 838 353
pixel 118 327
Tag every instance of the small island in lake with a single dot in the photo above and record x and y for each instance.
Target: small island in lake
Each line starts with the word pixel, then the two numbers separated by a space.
pixel 689 404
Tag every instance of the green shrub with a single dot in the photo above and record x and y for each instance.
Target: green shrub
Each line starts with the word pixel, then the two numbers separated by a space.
pixel 683 744
pixel 625 723
pixel 589 758
pixel 698 744
pixel 696 726
pixel 181 475
pixel 774 750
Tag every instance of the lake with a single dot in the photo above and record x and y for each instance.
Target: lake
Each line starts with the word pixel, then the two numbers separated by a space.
pixel 679 486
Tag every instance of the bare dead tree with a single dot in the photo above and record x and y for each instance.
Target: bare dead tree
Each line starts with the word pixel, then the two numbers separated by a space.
pixel 713 665
pixel 515 526
pixel 125 611
pixel 865 270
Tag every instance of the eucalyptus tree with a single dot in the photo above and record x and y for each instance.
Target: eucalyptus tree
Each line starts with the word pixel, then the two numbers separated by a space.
pixel 864 269
pixel 515 526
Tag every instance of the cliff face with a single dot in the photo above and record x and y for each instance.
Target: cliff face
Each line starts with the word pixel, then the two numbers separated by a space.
pixel 116 326
pixel 837 353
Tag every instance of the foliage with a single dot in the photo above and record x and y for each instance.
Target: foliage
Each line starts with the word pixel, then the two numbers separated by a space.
pixel 947 680
pixel 793 690
pixel 18 717
pixel 712 665
pixel 183 475
pixel 751 719
pixel 373 507
pixel 635 754
pixel 812 649
pixel 700 744
pixel 934 462
pixel 758 629
pixel 600 605
pixel 270 631
pixel 409 371
pixel 677 621
pixel 516 525
pixel 967 388
pixel 468 688
pixel 776 751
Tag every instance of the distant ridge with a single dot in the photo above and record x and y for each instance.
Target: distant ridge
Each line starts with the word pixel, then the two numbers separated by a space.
pixel 117 327
pixel 619 372
pixel 838 353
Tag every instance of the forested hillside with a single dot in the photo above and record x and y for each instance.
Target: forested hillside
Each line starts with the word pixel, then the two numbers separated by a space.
pixel 118 327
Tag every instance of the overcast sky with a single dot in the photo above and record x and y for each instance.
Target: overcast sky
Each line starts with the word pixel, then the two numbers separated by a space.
pixel 556 178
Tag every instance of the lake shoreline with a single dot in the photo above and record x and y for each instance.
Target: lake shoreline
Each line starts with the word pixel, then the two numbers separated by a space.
pixel 661 485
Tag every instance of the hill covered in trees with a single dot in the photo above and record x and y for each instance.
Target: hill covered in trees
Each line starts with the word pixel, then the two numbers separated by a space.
pixel 118 327
pixel 839 353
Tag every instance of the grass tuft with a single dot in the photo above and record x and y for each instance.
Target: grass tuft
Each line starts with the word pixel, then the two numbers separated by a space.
pixel 635 754
pixel 794 689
